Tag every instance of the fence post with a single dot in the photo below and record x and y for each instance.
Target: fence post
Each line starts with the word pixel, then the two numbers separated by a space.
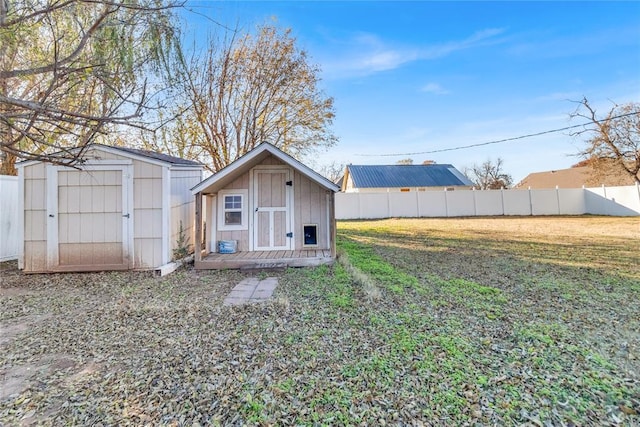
pixel 502 201
pixel 446 203
pixel 530 203
pixel 558 198
pixel 475 203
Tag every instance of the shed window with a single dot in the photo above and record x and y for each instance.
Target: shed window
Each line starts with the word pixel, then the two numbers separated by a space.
pixel 232 210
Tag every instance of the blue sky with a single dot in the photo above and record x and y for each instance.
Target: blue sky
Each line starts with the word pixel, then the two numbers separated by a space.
pixel 413 77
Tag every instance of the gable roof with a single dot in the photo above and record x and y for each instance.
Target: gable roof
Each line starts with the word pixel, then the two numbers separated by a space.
pixel 391 176
pixel 254 157
pixel 145 155
pixel 166 158
pixel 575 177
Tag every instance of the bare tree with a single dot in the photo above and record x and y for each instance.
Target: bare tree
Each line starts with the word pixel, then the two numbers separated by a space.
pixel 407 161
pixel 489 175
pixel 71 70
pixel 613 144
pixel 332 171
pixel 249 89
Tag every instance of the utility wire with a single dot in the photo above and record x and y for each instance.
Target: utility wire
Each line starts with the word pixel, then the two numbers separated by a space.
pixel 462 147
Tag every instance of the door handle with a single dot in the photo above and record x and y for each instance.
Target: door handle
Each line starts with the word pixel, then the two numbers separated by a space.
pixel 125 216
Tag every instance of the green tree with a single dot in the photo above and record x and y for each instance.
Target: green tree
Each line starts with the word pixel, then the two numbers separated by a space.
pixel 613 142
pixel 248 89
pixel 72 70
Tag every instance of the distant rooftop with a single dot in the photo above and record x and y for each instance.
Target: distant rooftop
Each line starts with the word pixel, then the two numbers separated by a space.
pixel 575 177
pixel 391 176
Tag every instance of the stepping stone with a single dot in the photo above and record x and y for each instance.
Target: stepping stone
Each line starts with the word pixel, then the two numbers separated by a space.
pixel 251 290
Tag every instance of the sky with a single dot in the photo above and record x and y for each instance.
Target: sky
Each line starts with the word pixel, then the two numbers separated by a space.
pixel 410 79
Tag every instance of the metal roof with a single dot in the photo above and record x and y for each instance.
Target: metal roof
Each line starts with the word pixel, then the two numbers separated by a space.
pixel 390 176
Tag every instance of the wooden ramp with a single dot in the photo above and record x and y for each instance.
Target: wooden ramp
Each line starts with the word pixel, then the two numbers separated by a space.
pixel 265 259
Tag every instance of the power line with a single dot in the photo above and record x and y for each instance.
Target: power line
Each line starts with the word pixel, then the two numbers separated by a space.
pixel 462 147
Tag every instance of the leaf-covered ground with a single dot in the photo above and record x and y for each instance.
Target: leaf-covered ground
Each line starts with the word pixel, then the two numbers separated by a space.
pixel 508 321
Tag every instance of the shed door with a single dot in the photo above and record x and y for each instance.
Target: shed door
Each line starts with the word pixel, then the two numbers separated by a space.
pixel 91 220
pixel 272 215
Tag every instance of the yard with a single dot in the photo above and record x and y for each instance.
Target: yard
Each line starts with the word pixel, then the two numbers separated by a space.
pixel 486 321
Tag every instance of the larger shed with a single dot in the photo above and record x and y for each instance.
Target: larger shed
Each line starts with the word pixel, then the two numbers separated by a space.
pixel 121 209
pixel 270 209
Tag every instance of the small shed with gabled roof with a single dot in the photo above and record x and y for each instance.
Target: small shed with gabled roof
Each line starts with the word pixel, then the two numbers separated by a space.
pixel 118 209
pixel 377 178
pixel 271 209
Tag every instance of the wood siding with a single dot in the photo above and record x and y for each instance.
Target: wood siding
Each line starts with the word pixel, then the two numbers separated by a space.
pixel 35 218
pixel 90 218
pixel 147 214
pixel 242 236
pixel 182 205
pixel 91 213
pixel 311 207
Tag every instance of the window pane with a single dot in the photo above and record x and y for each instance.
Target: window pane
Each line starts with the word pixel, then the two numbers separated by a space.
pixel 233 218
pixel 237 202
pixel 233 202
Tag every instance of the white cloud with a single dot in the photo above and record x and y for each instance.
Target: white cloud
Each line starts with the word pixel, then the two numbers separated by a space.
pixel 364 53
pixel 434 88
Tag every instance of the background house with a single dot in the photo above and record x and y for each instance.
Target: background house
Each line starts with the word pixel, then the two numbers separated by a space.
pixel 276 210
pixel 575 177
pixel 403 178
pixel 121 209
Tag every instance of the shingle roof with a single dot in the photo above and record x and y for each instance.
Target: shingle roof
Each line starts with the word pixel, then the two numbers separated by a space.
pixel 157 156
pixel 390 176
pixel 574 177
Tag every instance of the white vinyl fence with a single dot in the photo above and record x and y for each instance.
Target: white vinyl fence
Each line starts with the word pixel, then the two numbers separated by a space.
pixel 615 201
pixel 8 217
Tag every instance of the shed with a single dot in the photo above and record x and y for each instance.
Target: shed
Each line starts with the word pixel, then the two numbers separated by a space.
pixel 403 178
pixel 119 209
pixel 270 209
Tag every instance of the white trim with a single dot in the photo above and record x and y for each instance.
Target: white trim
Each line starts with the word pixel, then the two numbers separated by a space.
pixel 252 207
pixel 253 154
pixel 328 219
pixel 127 226
pixel 21 218
pixel 119 152
pixel 53 256
pixel 317 244
pixel 211 223
pixel 166 217
pixel 244 224
pixel 52 216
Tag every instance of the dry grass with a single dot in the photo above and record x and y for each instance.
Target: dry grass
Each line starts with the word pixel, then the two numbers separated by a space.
pixel 506 321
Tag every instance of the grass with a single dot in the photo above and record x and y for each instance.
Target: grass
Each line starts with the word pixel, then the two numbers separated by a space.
pixel 500 321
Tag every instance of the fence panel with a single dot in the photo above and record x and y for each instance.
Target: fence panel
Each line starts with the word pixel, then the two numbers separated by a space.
pixel 616 201
pixel 8 217
pixel 571 201
pixel 488 203
pixel 460 203
pixel 517 202
pixel 544 202
pixel 403 204
pixel 432 204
